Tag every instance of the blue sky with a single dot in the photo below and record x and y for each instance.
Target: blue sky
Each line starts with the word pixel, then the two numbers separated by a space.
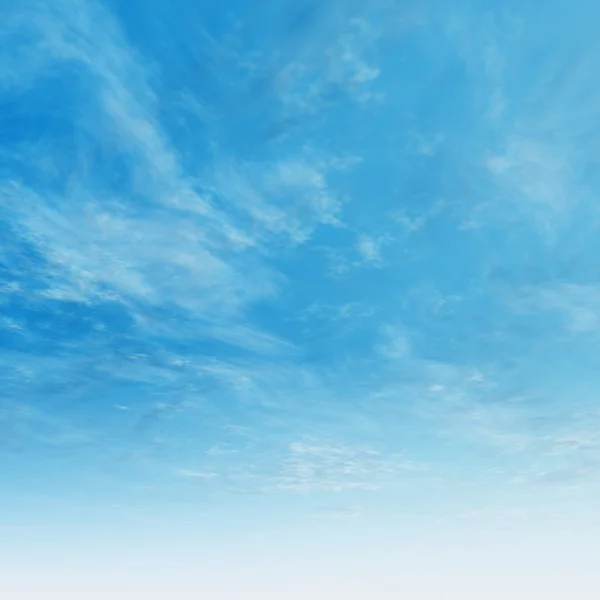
pixel 296 281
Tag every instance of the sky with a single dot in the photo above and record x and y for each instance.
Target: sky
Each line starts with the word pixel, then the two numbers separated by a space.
pixel 299 299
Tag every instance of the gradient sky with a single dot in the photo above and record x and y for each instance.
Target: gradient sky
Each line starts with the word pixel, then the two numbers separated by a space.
pixel 299 299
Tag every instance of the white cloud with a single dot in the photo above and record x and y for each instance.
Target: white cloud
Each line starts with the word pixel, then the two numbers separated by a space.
pixel 577 304
pixel 325 467
pixel 536 175
pixel 396 343
pixel 289 197
pixel 369 249
pixel 331 63
pixel 351 311
pixel 196 474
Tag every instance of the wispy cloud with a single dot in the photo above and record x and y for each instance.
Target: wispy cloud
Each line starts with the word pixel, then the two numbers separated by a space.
pixel 328 468
pixel 196 474
pixel 578 305
pixel 305 85
pixel 178 247
pixel 169 214
pixel 369 249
